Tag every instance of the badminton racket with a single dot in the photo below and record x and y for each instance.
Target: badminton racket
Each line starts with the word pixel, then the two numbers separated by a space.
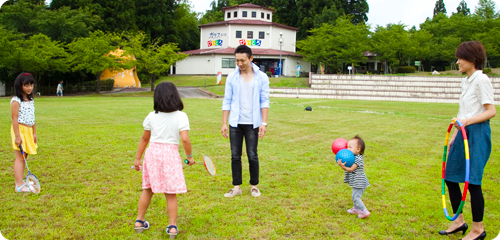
pixel 208 163
pixel 31 179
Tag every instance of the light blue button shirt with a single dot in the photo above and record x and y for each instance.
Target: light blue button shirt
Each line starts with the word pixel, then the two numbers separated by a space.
pixel 260 98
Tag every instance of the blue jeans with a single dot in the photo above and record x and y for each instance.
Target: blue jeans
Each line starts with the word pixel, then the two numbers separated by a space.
pixel 251 135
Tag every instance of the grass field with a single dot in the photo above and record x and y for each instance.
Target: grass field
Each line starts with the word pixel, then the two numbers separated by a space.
pixel 87 145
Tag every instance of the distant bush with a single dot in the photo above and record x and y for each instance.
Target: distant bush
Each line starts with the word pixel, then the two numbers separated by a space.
pixel 406 69
pixel 487 70
pixel 269 73
pixel 144 78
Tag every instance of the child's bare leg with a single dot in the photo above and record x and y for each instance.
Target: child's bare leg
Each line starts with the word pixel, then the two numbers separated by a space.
pixel 19 168
pixel 172 210
pixel 143 205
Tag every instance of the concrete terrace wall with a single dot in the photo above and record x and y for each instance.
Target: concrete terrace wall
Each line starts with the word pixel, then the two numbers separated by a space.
pixel 382 88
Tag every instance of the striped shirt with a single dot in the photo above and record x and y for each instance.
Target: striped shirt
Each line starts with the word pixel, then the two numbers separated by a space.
pixel 357 178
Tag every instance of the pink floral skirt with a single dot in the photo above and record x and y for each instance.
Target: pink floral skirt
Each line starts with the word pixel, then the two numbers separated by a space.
pixel 162 169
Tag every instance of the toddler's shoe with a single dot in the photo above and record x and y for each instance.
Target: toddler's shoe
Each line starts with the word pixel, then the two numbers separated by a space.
pixel 364 214
pixel 354 211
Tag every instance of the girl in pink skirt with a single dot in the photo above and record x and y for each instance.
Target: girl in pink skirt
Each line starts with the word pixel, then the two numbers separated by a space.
pixel 162 166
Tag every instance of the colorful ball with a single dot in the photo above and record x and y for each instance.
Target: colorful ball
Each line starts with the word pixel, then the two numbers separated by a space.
pixel 338 145
pixel 346 156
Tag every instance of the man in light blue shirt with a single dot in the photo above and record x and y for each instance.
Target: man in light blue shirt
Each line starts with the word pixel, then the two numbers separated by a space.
pixel 246 105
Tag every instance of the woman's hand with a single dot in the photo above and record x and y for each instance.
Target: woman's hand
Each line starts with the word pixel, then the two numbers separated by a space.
pixel 449 145
pixel 35 138
pixel 464 122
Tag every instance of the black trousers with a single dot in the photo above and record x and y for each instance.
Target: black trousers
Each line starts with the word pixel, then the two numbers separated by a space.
pixel 476 199
pixel 251 136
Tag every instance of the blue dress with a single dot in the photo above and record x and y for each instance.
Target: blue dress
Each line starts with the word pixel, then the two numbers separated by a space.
pixel 479 138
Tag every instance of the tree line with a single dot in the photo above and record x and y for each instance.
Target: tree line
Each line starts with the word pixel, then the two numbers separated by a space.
pixel 433 44
pixel 70 40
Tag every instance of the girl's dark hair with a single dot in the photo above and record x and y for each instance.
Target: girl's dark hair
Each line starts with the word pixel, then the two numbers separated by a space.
pixel 167 98
pixel 361 144
pixel 473 52
pixel 22 79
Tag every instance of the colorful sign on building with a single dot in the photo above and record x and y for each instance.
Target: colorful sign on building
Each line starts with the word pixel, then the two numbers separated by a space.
pixel 215 43
pixel 250 42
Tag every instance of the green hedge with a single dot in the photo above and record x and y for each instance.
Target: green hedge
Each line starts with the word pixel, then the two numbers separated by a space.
pixel 406 69
pixel 487 70
pixel 90 86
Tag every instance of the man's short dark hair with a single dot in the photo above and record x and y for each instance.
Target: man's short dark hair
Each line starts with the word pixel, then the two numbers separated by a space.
pixel 167 98
pixel 473 52
pixel 243 49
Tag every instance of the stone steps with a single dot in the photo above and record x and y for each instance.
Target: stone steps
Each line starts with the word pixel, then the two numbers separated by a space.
pixel 382 88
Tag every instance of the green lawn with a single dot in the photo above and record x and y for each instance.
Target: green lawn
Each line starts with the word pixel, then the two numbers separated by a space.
pixel 87 145
pixel 211 82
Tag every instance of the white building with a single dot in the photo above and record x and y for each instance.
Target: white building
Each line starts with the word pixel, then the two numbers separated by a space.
pixel 244 24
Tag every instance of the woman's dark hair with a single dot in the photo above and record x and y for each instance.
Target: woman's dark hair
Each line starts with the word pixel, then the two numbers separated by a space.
pixel 243 49
pixel 361 144
pixel 22 79
pixel 473 52
pixel 167 98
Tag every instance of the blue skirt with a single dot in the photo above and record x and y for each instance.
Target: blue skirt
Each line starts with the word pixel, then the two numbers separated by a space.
pixel 479 136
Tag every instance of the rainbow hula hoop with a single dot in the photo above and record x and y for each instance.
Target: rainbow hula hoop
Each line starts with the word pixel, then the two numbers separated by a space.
pixel 467 168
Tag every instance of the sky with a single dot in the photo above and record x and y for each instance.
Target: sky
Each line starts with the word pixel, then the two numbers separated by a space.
pixel 382 12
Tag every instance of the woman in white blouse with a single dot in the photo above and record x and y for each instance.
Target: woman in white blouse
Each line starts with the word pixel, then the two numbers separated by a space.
pixel 476 109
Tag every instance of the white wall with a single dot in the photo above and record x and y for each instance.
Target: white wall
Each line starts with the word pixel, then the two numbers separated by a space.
pixel 2 89
pixel 249 14
pixel 227 33
pixel 213 33
pixel 198 65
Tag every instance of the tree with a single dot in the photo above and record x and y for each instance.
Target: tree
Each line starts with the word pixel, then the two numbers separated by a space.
pixel 20 15
pixel 334 45
pixel 439 7
pixel 92 54
pixel 37 55
pixel 421 45
pixel 329 15
pixel 463 9
pixel 64 24
pixel 8 47
pixel 486 9
pixel 153 59
pixel 358 9
pixel 392 43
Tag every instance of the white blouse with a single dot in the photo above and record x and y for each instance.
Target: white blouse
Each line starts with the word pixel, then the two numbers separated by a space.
pixel 26 111
pixel 476 91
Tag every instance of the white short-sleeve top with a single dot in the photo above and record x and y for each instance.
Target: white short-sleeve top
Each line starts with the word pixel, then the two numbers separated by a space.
pixel 477 90
pixel 166 127
pixel 26 111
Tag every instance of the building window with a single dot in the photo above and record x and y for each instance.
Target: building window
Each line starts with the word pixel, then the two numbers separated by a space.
pixel 228 14
pixel 262 15
pixel 261 35
pixel 228 63
pixel 249 34
pixel 238 34
pixel 235 14
pixel 244 13
pixel 254 14
pixel 268 16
